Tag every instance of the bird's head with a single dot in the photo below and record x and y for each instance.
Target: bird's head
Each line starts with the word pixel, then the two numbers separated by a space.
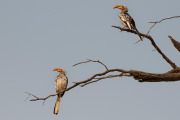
pixel 60 70
pixel 122 7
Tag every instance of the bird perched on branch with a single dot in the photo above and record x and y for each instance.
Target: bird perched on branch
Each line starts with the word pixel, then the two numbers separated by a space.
pixel 60 85
pixel 126 19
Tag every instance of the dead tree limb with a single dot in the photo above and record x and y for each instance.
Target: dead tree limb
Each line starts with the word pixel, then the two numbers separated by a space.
pixel 152 42
pixel 154 23
pixel 173 75
pixel 92 61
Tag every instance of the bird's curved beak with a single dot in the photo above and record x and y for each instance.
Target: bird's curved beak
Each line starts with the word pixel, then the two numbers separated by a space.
pixel 57 69
pixel 118 6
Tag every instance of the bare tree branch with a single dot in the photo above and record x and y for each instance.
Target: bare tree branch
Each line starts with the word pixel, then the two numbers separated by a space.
pixel 175 43
pixel 159 22
pixel 102 78
pixel 141 76
pixel 37 98
pixel 81 82
pixel 173 75
pixel 92 61
pixel 152 42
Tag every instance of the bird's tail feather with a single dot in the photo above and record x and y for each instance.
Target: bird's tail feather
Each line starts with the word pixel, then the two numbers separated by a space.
pixel 138 33
pixel 57 105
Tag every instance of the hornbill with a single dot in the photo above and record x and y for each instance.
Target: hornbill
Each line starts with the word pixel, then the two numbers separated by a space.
pixel 126 19
pixel 60 85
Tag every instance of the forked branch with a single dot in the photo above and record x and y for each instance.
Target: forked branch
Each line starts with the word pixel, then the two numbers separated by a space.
pixel 154 23
pixel 152 42
pixel 89 60
pixel 141 76
pixel 173 75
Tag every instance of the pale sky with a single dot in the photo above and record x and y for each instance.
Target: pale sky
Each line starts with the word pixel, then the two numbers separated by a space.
pixel 39 35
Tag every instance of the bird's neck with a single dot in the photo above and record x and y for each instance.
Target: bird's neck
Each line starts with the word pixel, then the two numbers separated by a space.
pixel 62 74
pixel 123 11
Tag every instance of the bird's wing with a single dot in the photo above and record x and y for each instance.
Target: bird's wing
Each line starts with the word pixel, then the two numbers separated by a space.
pixel 61 83
pixel 65 79
pixel 122 20
pixel 126 19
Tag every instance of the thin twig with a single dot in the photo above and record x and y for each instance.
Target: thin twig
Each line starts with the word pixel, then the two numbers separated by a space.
pixel 165 19
pixel 37 98
pixel 102 78
pixel 88 60
pixel 31 95
pixel 159 22
pixel 27 96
